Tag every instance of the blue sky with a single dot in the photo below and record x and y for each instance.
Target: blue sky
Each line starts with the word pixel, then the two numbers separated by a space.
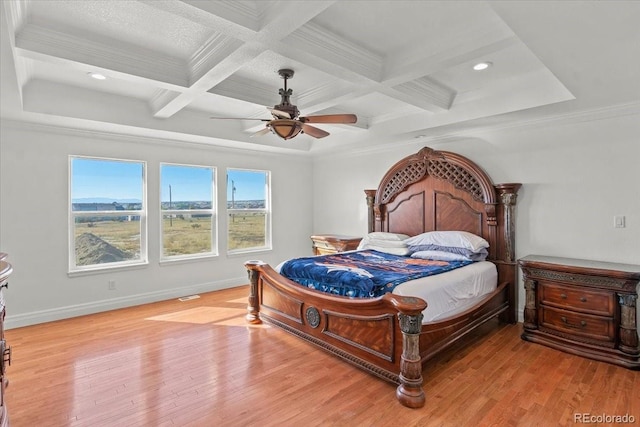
pixel 250 185
pixel 106 179
pixel 95 178
pixel 187 183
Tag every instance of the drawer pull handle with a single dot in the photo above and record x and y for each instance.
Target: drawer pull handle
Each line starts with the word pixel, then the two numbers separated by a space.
pixel 583 323
pixel 583 299
pixel 563 296
pixel 6 356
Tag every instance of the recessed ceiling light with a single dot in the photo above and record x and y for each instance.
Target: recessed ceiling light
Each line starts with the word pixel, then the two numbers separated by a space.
pixel 97 76
pixel 482 66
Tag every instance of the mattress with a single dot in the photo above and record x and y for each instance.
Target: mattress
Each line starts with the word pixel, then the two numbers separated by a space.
pixel 452 292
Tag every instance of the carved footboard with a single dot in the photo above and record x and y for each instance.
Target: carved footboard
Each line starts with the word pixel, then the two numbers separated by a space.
pixel 380 335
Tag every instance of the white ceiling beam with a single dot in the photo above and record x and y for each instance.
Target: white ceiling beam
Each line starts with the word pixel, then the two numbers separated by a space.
pixel 277 27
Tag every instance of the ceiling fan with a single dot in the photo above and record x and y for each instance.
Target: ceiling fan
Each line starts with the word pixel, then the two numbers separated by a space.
pixel 286 122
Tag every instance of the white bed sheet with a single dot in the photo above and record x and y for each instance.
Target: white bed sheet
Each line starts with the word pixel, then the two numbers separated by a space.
pixel 451 293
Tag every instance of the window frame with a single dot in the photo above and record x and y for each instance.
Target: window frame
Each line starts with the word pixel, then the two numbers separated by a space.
pixel 213 211
pixel 267 212
pixel 73 268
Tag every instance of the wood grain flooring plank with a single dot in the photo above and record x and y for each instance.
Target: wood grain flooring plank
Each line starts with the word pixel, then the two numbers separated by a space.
pixel 197 363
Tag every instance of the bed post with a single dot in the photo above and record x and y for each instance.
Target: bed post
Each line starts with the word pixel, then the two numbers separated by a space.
pixel 253 309
pixel 508 194
pixel 371 196
pixel 410 392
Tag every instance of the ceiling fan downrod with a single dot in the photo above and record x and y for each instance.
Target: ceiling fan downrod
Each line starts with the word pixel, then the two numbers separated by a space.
pixel 285 94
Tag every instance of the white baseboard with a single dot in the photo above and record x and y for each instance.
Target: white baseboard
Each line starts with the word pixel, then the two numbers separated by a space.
pixel 35 317
pixel 27 319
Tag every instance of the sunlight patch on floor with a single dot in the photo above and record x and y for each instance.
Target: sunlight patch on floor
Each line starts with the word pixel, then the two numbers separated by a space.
pixel 202 315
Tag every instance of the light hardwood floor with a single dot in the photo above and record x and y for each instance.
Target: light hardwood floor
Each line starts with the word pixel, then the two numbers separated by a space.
pixel 197 363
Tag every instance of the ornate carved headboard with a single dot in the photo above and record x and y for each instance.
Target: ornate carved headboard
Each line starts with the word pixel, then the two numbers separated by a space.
pixel 439 190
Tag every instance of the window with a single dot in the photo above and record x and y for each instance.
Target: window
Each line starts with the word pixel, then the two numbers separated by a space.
pixel 249 210
pixel 188 215
pixel 108 218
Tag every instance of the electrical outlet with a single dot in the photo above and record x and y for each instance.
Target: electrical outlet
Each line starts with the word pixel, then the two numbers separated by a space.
pixel 112 285
pixel 618 221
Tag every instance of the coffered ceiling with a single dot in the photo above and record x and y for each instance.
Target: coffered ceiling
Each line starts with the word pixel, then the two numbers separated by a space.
pixel 403 67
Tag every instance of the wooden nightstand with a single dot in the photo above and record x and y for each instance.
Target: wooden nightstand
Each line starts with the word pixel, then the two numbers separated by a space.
pixel 325 244
pixel 5 350
pixel 582 307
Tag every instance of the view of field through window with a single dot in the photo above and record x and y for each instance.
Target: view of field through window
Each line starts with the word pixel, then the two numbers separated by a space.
pixel 107 210
pixel 187 206
pixel 247 207
pixel 109 215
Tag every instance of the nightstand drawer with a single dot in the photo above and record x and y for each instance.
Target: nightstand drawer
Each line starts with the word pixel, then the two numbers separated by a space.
pixel 321 244
pixel 324 251
pixel 593 328
pixel 584 300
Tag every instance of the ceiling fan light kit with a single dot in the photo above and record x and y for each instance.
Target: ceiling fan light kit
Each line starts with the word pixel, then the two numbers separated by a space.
pixel 286 123
pixel 285 128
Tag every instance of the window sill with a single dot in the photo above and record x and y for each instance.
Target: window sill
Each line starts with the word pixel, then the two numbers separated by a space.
pixel 186 260
pixel 239 253
pixel 104 270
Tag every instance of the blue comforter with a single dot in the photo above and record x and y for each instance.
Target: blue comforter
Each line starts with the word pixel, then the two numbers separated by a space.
pixel 363 274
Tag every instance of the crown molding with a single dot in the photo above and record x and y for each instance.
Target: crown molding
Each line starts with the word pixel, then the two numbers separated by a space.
pixel 195 142
pixel 445 134
pixel 17 12
pixel 236 12
pixel 218 47
pixel 426 93
pixel 110 56
pixel 567 118
pixel 317 40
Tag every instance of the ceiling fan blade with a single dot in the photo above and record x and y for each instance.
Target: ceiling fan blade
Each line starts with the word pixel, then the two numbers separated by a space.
pixel 330 118
pixel 239 118
pixel 279 113
pixel 313 131
pixel 260 132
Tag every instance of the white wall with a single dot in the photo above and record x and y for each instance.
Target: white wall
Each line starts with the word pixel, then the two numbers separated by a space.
pixel 34 222
pixel 577 174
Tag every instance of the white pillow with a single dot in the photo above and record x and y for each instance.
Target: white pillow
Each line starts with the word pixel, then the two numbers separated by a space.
pixel 458 239
pixel 382 239
pixel 393 251
pixel 386 243
pixel 439 256
pixel 382 235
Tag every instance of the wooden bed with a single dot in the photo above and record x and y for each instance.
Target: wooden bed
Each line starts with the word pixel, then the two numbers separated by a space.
pixel 427 191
